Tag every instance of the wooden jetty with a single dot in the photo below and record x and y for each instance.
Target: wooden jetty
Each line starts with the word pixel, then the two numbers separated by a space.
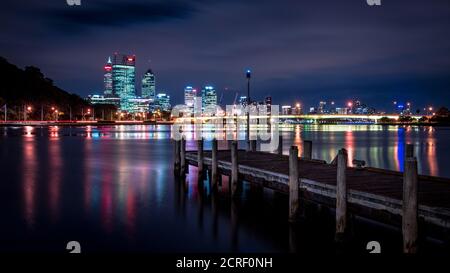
pixel 401 199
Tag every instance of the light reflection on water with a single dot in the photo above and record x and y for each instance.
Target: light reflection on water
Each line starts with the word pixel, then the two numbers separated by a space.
pixel 114 186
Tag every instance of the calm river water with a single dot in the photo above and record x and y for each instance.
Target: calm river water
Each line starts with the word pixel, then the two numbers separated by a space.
pixel 112 189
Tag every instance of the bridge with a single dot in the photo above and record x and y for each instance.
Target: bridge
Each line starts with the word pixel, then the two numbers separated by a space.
pixel 311 117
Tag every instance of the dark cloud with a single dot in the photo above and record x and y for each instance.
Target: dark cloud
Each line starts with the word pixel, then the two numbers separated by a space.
pixel 119 13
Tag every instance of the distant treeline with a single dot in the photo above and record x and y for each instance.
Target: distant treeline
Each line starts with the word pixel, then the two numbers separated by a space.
pixel 29 90
pixel 442 116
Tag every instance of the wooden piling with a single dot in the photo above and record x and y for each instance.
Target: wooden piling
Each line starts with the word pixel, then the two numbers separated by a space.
pixel 341 194
pixel 409 150
pixel 410 206
pixel 177 158
pixel 214 171
pixel 183 156
pixel 280 144
pixel 307 149
pixel 200 155
pixel 253 145
pixel 234 168
pixel 293 184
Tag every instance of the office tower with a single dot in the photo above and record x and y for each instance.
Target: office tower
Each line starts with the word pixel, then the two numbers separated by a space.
pixel 163 102
pixel 123 78
pixel 107 79
pixel 209 98
pixel 189 97
pixel 286 109
pixel 322 109
pixel 243 101
pixel 99 99
pixel 148 86
pixel 268 103
pixel 138 105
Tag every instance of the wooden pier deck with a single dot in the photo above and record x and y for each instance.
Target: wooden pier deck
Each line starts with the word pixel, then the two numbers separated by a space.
pixel 373 193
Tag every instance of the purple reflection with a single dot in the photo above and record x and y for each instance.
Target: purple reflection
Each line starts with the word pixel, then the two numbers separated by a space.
pixel 29 170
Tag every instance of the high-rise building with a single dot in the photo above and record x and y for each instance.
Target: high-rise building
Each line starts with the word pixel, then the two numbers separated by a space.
pixel 99 99
pixel 342 110
pixel 123 79
pixel 209 97
pixel 163 102
pixel 148 88
pixel 322 109
pixel 268 103
pixel 138 105
pixel 107 79
pixel 286 109
pixel 189 97
pixel 243 101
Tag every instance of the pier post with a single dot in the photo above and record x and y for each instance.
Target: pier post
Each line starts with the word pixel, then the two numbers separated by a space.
pixel 409 151
pixel 307 149
pixel 200 155
pixel 183 156
pixel 293 184
pixel 341 194
pixel 410 206
pixel 229 142
pixel 214 174
pixel 253 145
pixel 280 144
pixel 177 159
pixel 234 168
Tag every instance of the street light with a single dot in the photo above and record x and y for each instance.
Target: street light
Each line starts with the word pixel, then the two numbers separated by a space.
pixel 25 110
pixel 248 75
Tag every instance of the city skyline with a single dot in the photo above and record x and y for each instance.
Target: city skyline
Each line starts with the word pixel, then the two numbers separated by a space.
pixel 295 49
pixel 147 94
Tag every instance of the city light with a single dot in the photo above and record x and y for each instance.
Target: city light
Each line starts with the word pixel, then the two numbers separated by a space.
pixel 29 108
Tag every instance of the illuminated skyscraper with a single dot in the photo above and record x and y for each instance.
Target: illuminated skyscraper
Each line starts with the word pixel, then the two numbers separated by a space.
pixel 243 101
pixel 322 109
pixel 123 79
pixel 209 97
pixel 148 85
pixel 189 97
pixel 163 102
pixel 107 79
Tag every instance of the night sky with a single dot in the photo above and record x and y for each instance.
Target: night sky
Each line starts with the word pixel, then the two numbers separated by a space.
pixel 298 50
